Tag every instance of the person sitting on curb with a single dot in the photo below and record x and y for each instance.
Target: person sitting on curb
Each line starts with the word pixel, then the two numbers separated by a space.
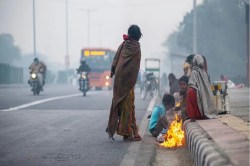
pixel 187 69
pixel 159 119
pixel 183 82
pixel 200 103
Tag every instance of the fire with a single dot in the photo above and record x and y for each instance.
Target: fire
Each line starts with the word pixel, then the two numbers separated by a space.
pixel 175 135
pixel 177 104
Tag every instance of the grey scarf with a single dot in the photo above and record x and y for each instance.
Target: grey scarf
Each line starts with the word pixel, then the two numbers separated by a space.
pixel 199 81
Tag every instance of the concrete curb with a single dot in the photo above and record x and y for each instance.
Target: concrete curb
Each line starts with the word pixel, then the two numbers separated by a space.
pixel 202 149
pixel 225 140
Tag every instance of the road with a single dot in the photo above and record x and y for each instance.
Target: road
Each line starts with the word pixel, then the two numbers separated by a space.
pixel 61 127
pixel 239 103
pixel 67 131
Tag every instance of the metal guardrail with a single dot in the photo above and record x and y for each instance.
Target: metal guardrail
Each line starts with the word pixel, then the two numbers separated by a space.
pixel 10 74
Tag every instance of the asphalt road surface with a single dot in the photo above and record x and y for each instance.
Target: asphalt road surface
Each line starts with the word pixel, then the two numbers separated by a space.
pixel 59 127
pixel 239 103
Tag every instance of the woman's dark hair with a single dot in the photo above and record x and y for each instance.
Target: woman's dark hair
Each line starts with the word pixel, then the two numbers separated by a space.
pixel 171 75
pixel 190 59
pixel 184 79
pixel 134 32
pixel 168 99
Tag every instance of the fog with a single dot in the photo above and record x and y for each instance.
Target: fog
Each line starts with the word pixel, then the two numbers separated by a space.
pixel 166 27
pixel 109 20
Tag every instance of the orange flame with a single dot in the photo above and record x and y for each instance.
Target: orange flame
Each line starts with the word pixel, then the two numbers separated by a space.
pixel 175 135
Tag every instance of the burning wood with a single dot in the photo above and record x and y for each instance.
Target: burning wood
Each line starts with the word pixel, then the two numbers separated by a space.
pixel 175 135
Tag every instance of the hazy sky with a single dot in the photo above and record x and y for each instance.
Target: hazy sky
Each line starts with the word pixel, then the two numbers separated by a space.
pixel 109 20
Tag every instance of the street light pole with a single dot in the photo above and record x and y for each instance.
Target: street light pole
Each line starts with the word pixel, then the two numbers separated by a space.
pixel 67 37
pixel 67 58
pixel 100 34
pixel 194 29
pixel 248 38
pixel 88 12
pixel 34 28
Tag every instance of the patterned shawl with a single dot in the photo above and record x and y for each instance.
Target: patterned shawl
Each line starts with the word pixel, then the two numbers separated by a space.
pixel 199 81
pixel 125 66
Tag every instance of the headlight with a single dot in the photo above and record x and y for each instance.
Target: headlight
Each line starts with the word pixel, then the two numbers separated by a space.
pixel 107 77
pixel 33 75
pixel 107 83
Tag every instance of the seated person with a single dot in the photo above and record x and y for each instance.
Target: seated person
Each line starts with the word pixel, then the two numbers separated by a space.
pixel 183 82
pixel 159 117
pixel 200 103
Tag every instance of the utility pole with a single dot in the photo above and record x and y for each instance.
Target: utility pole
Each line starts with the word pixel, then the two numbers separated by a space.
pixel 194 29
pixel 100 34
pixel 34 29
pixel 67 58
pixel 248 38
pixel 88 12
pixel 67 43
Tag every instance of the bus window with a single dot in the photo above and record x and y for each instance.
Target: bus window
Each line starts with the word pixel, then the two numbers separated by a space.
pixel 99 60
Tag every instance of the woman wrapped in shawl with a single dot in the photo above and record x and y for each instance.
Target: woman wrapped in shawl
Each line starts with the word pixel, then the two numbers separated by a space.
pixel 200 103
pixel 125 67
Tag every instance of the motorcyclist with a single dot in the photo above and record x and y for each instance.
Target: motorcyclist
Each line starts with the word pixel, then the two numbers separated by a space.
pixel 84 67
pixel 38 67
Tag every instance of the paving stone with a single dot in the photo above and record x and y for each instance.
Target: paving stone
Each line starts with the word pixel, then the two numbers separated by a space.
pixel 236 123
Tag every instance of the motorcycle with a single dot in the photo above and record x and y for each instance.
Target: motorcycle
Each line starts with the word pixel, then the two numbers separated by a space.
pixel 149 84
pixel 83 83
pixel 35 83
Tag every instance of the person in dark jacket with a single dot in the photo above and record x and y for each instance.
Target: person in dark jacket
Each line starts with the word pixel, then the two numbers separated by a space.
pixel 84 67
pixel 173 84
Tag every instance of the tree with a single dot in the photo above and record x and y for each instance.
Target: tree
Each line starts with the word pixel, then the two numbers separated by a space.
pixel 221 36
pixel 8 51
pixel 172 43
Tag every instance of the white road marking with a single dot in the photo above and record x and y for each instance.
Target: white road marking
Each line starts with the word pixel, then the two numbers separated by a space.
pixel 129 158
pixel 43 101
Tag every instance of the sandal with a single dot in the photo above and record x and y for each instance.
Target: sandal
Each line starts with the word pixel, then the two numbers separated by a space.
pixel 137 138
pixel 131 138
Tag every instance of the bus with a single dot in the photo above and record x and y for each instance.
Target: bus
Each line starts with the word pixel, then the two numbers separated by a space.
pixel 100 61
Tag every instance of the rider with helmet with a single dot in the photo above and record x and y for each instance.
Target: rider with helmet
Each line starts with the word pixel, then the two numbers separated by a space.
pixel 84 67
pixel 40 68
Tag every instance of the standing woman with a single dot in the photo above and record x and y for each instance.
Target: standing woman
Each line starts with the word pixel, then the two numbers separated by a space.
pixel 125 67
